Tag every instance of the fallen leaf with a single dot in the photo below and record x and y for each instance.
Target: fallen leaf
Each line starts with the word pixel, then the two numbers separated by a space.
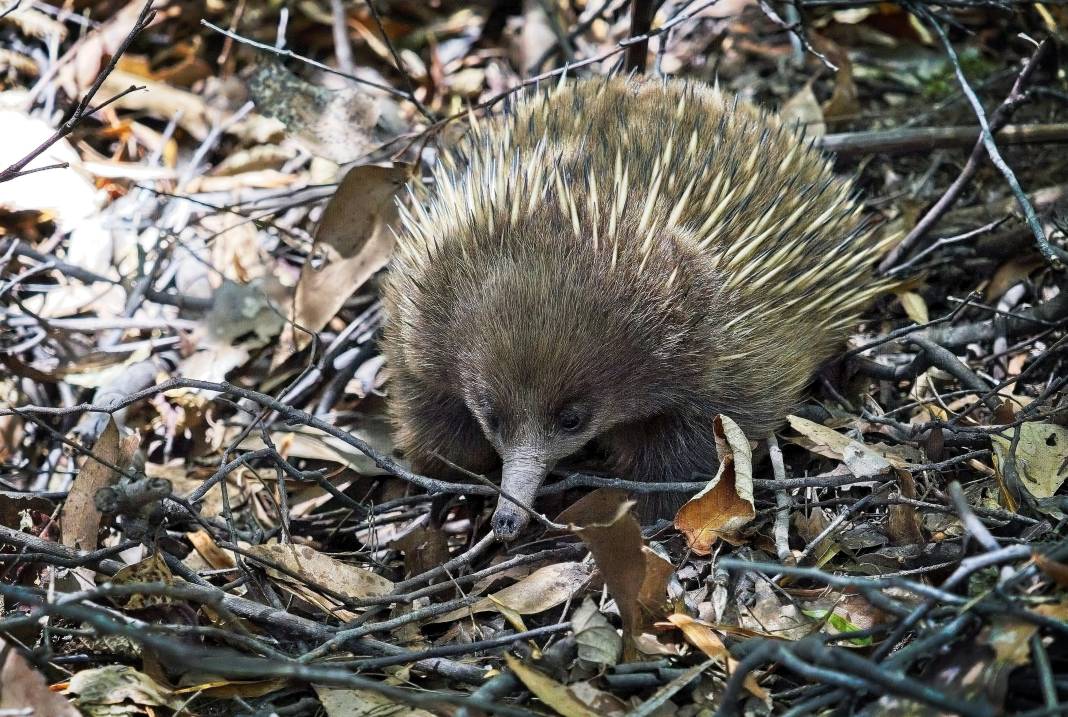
pixel 543 589
pixel 209 550
pixel 653 593
pixel 903 523
pixel 700 635
pixel 604 521
pixel 152 569
pixel 1053 568
pixel 803 109
pixel 339 702
pixel 599 644
pixel 115 684
pixel 1041 456
pixel 725 505
pixel 25 690
pixel 915 307
pixel 79 518
pixel 861 460
pixel 548 690
pixel 352 241
pixel 319 569
pixel 313 444
pixel 68 196
pixel 342 126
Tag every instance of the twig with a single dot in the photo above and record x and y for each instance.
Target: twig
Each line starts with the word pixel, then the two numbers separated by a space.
pixel 1053 255
pixel 904 140
pixel 641 19
pixel 307 60
pixel 781 529
pixel 82 110
pixel 998 119
pixel 397 62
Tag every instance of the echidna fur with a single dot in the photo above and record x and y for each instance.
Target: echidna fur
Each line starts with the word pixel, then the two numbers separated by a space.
pixel 639 254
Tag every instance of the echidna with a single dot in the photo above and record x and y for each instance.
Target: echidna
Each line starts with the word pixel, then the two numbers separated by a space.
pixel 617 260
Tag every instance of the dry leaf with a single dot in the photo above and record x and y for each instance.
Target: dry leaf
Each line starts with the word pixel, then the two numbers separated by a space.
pixel 152 569
pixel 606 525
pixel 80 520
pixel 700 635
pixel 25 690
pixel 319 569
pixel 338 702
pixel 313 444
pixel 352 242
pixel 209 550
pixel 1041 456
pixel 861 460
pixel 653 593
pixel 915 307
pixel 543 589
pixel 342 126
pixel 549 690
pixel 725 505
pixel 599 644
pixel 903 523
pixel 1053 568
pixel 116 684
pixel 804 110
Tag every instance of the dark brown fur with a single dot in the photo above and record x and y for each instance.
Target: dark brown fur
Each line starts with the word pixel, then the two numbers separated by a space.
pixel 507 326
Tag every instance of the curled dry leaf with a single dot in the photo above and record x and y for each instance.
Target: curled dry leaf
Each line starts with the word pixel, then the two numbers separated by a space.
pixel 320 569
pixel 543 589
pixel 700 635
pixel 725 505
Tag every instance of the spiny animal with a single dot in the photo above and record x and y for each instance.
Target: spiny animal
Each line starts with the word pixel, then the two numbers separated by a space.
pixel 617 260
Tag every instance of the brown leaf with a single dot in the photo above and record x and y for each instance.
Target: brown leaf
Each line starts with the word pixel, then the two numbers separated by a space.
pixel 725 505
pixel 319 569
pixel 611 532
pixel 804 109
pixel 25 690
pixel 79 519
pixel 543 589
pixel 653 592
pixel 152 569
pixel 424 548
pixel 549 690
pixel 701 636
pixel 352 242
pixel 903 524
pixel 210 551
pixel 1053 568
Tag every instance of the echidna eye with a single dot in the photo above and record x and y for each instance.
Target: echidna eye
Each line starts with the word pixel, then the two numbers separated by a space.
pixel 570 420
pixel 493 421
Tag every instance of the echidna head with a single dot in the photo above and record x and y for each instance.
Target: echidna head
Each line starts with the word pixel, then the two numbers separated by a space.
pixel 550 360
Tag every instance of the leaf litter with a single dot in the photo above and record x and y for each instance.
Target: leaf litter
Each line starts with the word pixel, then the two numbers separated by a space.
pixel 204 273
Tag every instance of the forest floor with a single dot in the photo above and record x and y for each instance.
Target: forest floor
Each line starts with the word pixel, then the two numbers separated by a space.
pixel 202 511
